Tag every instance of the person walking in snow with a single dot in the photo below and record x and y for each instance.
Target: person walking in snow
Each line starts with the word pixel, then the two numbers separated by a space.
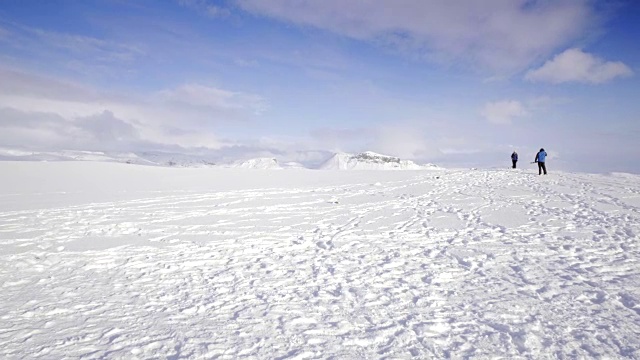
pixel 514 159
pixel 540 158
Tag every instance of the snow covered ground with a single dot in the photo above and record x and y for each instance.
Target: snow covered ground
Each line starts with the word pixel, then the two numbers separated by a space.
pixel 106 260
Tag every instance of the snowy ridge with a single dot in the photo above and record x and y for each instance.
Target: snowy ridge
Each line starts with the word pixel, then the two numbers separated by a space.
pixel 257 163
pixel 369 160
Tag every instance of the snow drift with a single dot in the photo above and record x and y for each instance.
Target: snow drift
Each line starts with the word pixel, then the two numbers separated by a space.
pixel 205 263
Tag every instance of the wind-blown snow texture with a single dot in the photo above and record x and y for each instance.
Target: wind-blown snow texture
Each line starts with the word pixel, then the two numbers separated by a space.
pixel 104 260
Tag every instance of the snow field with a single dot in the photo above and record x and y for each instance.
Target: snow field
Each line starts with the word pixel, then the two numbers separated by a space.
pixel 132 262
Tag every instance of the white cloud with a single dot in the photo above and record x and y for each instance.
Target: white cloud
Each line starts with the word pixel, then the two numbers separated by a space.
pixel 106 128
pixel 421 139
pixel 185 116
pixel 403 140
pixel 460 151
pixel 574 65
pixel 86 55
pixel 20 83
pixel 341 140
pixel 99 50
pixel 206 7
pixel 501 35
pixel 41 130
pixel 503 112
pixel 204 96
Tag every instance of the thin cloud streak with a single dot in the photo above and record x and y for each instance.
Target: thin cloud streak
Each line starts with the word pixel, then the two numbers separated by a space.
pixel 503 112
pixel 205 7
pixel 498 35
pixel 87 47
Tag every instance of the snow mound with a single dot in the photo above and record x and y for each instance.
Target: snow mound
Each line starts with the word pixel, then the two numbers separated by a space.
pixel 258 163
pixel 369 160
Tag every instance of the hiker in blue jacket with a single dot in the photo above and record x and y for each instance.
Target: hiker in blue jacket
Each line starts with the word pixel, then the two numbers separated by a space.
pixel 540 157
pixel 514 159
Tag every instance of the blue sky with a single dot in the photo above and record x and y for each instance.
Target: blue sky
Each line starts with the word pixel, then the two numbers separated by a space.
pixel 451 82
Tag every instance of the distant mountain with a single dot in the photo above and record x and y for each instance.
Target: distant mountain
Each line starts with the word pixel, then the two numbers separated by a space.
pixel 140 158
pixel 170 159
pixel 64 155
pixel 369 160
pixel 342 161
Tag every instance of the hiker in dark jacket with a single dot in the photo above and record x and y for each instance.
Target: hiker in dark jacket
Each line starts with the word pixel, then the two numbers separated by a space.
pixel 540 158
pixel 514 159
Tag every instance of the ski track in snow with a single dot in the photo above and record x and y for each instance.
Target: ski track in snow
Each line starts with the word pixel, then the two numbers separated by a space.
pixel 450 264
